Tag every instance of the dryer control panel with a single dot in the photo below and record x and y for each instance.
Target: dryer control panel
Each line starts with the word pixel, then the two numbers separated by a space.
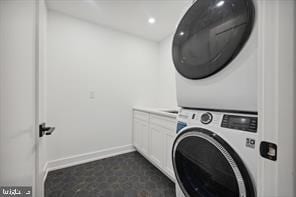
pixel 244 123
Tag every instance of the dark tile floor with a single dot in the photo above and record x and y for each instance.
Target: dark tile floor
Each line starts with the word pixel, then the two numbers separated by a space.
pixel 126 175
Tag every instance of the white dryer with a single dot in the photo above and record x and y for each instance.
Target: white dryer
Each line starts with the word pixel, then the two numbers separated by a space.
pixel 215 154
pixel 215 54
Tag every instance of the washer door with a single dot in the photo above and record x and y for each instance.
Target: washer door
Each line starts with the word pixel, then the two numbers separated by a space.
pixel 210 35
pixel 206 166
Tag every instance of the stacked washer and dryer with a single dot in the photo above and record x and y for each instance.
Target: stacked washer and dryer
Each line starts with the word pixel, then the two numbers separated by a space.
pixel 215 54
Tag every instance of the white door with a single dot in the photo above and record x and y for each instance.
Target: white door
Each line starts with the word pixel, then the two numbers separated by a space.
pixel 41 38
pixel 276 95
pixel 18 132
pixel 22 96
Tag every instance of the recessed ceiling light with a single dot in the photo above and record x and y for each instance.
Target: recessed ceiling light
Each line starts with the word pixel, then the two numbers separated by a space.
pixel 220 3
pixel 151 20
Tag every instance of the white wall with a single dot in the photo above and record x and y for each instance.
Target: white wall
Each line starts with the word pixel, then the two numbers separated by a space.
pixel 17 92
pixel 167 97
pixel 167 83
pixel 119 69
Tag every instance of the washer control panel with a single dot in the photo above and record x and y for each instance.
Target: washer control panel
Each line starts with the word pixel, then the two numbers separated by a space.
pixel 206 118
pixel 244 123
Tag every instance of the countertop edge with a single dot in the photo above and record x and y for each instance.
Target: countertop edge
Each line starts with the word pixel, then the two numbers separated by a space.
pixel 157 111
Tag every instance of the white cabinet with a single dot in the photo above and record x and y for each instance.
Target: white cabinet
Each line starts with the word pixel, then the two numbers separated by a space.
pixel 156 145
pixel 136 134
pixel 153 136
pixel 168 165
pixel 141 136
pixel 141 133
pixel 145 140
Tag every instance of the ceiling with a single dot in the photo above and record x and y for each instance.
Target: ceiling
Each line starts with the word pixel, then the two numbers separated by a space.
pixel 130 16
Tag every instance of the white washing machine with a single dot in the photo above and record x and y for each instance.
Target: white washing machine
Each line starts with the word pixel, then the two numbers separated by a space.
pixel 215 54
pixel 214 154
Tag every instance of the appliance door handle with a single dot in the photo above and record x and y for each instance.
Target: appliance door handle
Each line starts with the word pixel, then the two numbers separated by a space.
pixel 44 130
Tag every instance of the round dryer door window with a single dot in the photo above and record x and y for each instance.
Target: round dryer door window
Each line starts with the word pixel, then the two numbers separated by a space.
pixel 206 166
pixel 210 35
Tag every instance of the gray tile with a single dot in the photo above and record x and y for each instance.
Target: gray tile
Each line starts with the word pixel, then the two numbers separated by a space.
pixel 126 175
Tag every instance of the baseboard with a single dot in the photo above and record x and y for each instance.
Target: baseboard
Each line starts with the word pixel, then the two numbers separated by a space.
pixel 86 157
pixel 45 172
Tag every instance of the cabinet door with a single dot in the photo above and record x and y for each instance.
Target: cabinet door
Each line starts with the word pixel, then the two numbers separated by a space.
pixel 168 165
pixel 145 138
pixel 157 145
pixel 141 136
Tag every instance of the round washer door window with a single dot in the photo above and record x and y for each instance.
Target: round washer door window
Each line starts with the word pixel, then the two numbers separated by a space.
pixel 206 166
pixel 210 35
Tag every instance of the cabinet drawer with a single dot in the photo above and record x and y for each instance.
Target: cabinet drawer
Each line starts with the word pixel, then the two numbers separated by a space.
pixel 141 115
pixel 165 122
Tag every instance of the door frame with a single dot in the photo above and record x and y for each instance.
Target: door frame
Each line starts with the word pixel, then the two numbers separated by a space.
pixel 37 186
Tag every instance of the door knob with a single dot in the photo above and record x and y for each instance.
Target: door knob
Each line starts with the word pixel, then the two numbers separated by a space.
pixel 43 130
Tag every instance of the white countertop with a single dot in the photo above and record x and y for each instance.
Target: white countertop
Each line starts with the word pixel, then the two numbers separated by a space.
pixel 158 111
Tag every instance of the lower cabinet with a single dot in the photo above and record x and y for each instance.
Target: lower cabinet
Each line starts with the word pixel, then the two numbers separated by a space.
pixel 141 136
pixel 168 165
pixel 156 145
pixel 153 137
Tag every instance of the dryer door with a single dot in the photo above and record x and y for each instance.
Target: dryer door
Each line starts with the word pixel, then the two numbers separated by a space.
pixel 210 35
pixel 206 166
